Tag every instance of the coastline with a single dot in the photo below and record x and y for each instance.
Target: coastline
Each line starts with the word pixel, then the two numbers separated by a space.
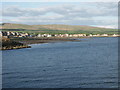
pixel 8 44
pixel 16 47
pixel 43 40
pixel 37 40
pixel 26 42
pixel 19 43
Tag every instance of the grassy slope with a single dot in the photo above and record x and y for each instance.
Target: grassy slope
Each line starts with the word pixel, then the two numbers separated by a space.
pixel 52 29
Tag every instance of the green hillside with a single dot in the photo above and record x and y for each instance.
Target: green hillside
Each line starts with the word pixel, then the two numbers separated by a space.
pixel 56 29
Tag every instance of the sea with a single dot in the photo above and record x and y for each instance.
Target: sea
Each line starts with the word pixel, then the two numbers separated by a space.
pixel 88 63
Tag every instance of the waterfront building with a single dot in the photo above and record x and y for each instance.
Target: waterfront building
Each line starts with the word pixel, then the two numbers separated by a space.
pixel 104 35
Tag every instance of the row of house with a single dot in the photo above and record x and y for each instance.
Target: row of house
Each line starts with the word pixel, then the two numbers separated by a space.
pixel 77 35
pixel 61 35
pixel 8 34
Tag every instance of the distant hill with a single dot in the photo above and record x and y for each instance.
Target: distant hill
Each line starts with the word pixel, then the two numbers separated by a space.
pixel 55 28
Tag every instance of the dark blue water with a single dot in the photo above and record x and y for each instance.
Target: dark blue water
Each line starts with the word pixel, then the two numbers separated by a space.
pixel 91 63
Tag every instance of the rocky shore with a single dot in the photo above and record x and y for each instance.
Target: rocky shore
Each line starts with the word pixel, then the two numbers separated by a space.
pixel 42 40
pixel 18 43
pixel 7 44
pixel 15 47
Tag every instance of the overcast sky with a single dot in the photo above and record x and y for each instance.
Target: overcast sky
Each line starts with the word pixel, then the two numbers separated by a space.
pixel 102 14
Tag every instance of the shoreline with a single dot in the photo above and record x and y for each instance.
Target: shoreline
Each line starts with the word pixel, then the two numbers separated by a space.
pixel 43 40
pixel 26 42
pixel 40 40
pixel 8 44
pixel 17 47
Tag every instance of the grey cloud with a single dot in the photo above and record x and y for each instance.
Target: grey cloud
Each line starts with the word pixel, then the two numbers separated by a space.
pixel 57 20
pixel 66 10
pixel 12 11
pixel 17 11
pixel 107 4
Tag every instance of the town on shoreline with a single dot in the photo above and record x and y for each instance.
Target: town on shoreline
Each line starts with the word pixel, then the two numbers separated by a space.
pixel 18 40
pixel 8 34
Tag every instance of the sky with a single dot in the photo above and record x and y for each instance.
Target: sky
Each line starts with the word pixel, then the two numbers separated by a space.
pixel 100 14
